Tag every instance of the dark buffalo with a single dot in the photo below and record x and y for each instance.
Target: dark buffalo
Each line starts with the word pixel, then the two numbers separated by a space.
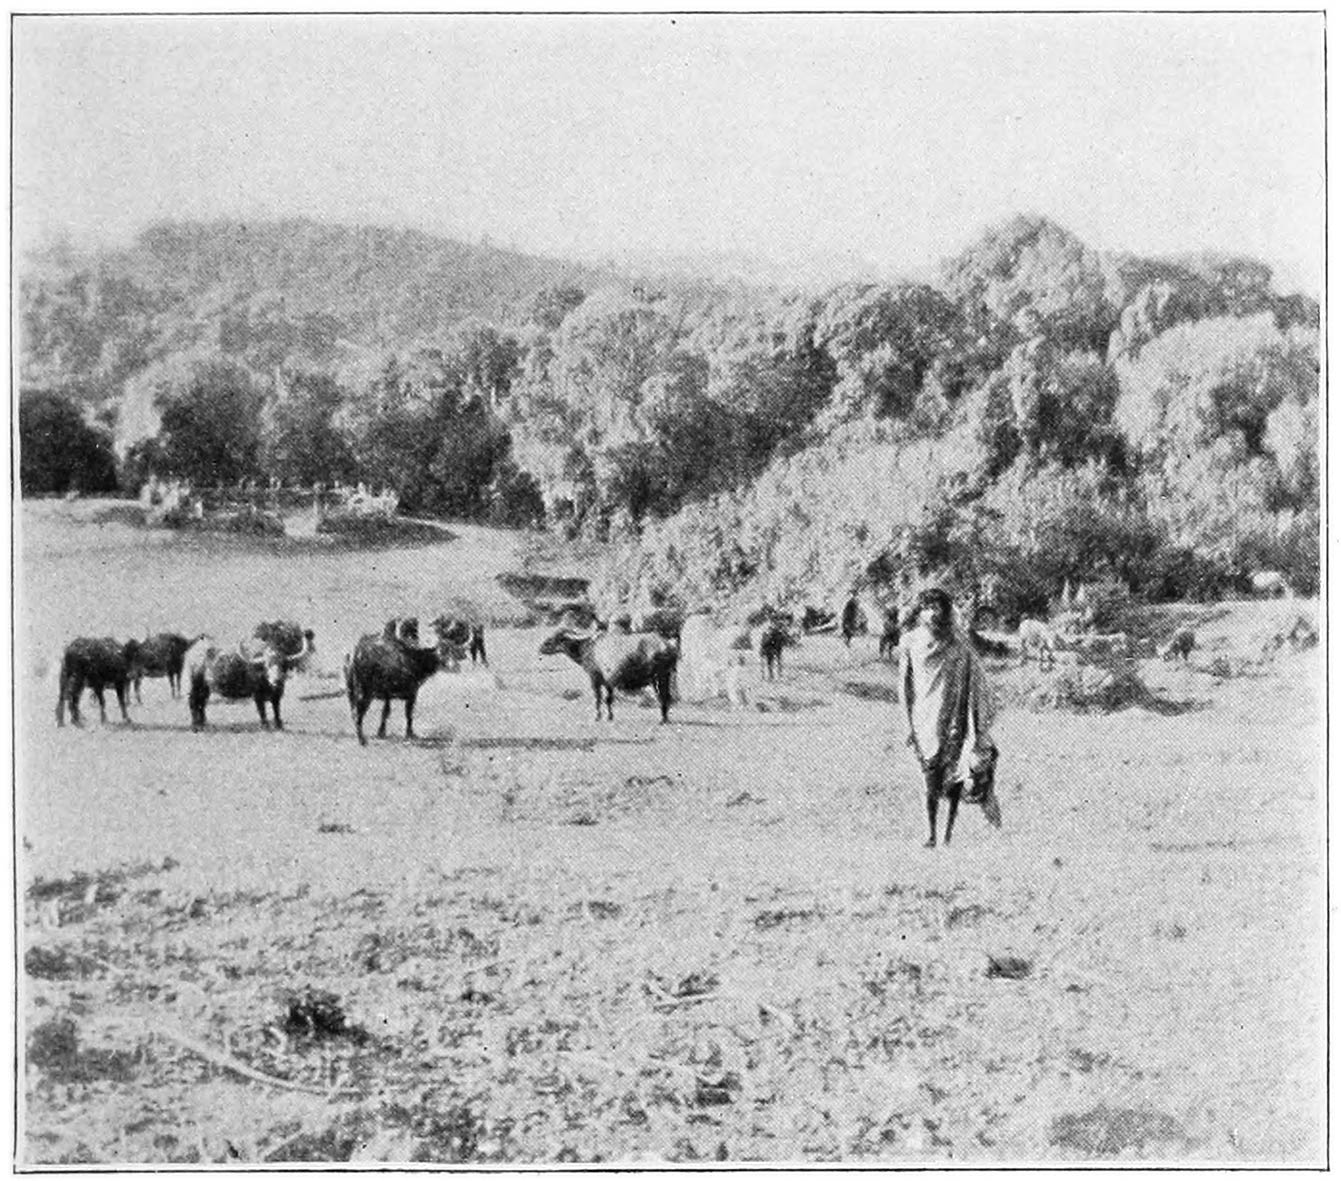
pixel 392 666
pixel 616 661
pixel 255 669
pixel 162 655
pixel 95 664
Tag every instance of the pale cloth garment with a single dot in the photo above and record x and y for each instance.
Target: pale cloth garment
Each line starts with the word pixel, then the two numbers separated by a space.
pixel 951 705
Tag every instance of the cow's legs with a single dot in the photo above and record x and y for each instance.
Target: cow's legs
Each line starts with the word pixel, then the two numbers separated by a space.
pixel 409 716
pixel 138 699
pixel 76 692
pixel 275 699
pixel 98 692
pixel 386 713
pixel 198 696
pixel 63 699
pixel 122 693
pixel 596 688
pixel 361 708
pixel 260 697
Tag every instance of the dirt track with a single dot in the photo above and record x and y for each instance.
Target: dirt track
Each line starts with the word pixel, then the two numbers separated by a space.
pixel 554 939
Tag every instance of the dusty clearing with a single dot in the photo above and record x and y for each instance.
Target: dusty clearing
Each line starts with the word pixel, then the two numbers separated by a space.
pixel 532 937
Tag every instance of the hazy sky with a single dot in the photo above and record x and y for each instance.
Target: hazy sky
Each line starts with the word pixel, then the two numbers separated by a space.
pixel 895 137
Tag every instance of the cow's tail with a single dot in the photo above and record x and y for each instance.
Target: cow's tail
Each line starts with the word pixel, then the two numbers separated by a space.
pixel 64 690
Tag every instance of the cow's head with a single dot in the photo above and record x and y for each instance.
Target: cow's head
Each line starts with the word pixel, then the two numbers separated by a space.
pixel 298 661
pixel 565 641
pixel 452 638
pixel 451 628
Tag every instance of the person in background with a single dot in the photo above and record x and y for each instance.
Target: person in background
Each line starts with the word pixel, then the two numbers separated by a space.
pixel 851 620
pixel 891 634
pixel 946 704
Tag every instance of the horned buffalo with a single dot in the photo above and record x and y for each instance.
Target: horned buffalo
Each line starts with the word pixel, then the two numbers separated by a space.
pixel 392 666
pixel 255 669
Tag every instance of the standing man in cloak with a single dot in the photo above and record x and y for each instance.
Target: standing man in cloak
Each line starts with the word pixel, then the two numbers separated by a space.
pixel 946 702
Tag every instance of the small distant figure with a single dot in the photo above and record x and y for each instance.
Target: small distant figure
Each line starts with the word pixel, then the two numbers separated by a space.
pixel 1180 645
pixel 890 634
pixel 851 620
pixel 945 700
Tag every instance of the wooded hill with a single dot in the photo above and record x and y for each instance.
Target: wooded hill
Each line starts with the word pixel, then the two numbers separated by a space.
pixel 1039 411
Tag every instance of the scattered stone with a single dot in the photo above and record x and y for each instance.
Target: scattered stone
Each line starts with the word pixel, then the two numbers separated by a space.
pixel 317 1015
pixel 1008 967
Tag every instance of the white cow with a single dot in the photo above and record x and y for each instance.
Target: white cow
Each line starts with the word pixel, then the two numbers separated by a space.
pixel 1271 583
pixel 1036 636
pixel 711 660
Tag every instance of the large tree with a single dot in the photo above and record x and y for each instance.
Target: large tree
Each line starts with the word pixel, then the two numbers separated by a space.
pixel 211 427
pixel 58 450
pixel 302 442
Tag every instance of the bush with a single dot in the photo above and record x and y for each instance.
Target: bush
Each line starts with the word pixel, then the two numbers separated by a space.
pixel 1086 688
pixel 1108 605
pixel 1174 573
pixel 514 498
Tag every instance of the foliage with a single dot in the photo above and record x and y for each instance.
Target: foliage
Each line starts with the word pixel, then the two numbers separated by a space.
pixel 58 450
pixel 883 342
pixel 301 441
pixel 211 428
pixel 1221 379
pixel 1042 412
pixel 1030 275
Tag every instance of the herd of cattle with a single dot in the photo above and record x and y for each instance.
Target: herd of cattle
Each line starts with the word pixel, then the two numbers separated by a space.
pixel 390 666
pixel 679 657
pixel 668 654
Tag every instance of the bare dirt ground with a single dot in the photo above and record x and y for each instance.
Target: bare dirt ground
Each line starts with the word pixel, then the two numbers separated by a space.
pixel 530 937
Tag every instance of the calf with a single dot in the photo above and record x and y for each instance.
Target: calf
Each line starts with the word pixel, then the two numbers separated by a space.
pixel 1180 645
pixel 624 662
pixel 162 655
pixel 95 664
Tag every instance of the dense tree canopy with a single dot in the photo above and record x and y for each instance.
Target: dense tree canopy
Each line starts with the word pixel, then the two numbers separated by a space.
pixel 58 450
pixel 211 428
pixel 1057 406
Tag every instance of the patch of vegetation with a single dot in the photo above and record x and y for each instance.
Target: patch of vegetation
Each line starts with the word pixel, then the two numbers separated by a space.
pixel 1108 1132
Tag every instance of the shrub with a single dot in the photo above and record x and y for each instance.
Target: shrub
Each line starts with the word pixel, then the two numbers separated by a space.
pixel 1172 573
pixel 1108 605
